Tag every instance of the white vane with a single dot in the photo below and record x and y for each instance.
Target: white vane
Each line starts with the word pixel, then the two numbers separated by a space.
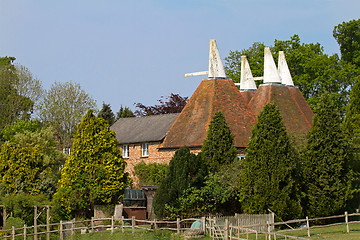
pixel 216 69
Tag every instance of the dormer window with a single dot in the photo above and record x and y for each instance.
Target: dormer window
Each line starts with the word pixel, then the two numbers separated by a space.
pixel 125 151
pixel 145 150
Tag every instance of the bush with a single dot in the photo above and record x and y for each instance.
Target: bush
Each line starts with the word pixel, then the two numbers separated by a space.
pixel 150 174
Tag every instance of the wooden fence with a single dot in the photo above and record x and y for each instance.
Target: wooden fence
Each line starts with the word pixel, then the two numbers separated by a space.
pixel 227 231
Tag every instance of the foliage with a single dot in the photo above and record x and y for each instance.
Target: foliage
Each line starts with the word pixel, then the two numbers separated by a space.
pixel 107 114
pixel 150 174
pixel 63 107
pixel 13 105
pixel 325 161
pixel 268 174
pixel 171 104
pixel 20 168
pixel 31 134
pixel 12 221
pixel 185 170
pixel 312 70
pixel 347 34
pixel 124 112
pixel 22 206
pixel 94 172
pixel 352 123
pixel 218 196
pixel 218 147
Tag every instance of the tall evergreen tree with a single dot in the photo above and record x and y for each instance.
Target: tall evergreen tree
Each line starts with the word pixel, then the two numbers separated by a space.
pixel 352 123
pixel 185 170
pixel 124 112
pixel 325 161
pixel 107 114
pixel 94 172
pixel 267 178
pixel 218 146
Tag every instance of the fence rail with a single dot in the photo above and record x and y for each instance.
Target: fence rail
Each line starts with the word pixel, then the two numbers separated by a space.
pixel 217 227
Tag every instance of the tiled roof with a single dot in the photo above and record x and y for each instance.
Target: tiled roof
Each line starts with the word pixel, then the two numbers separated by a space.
pixel 247 95
pixel 296 113
pixel 211 96
pixel 143 129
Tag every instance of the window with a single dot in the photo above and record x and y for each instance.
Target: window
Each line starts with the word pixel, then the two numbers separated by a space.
pixel 241 156
pixel 125 151
pixel 144 150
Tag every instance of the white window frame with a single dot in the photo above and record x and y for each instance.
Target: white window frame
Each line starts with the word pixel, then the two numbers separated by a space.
pixel 125 151
pixel 145 150
pixel 241 156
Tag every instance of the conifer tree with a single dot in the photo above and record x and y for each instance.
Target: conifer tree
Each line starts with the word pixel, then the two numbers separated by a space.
pixel 267 178
pixel 326 174
pixel 185 170
pixel 107 114
pixel 94 172
pixel 352 123
pixel 218 146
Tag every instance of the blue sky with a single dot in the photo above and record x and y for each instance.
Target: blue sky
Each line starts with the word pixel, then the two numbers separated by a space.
pixel 123 52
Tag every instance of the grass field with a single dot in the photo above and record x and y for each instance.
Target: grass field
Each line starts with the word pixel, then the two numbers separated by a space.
pixel 330 233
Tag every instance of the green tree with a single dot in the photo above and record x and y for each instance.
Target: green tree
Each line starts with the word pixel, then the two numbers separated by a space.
pixel 94 172
pixel 312 70
pixel 347 34
pixel 20 168
pixel 62 108
pixel 13 105
pixel 268 174
pixel 107 114
pixel 124 112
pixel 218 147
pixel 185 170
pixel 352 123
pixel 325 161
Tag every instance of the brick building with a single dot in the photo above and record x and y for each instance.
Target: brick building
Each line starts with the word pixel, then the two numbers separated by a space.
pixel 156 138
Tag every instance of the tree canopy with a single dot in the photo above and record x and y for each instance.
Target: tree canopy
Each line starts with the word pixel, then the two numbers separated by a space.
pixel 107 114
pixel 267 177
pixel 218 147
pixel 94 172
pixel 63 107
pixel 325 161
pixel 185 170
pixel 171 104
pixel 347 34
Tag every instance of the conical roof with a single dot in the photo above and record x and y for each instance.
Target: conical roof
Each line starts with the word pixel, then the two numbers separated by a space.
pixel 296 113
pixel 212 95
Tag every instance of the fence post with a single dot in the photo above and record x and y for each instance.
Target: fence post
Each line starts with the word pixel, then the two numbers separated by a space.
pixel 61 231
pixel 122 223
pixel 347 221
pixel 72 226
pixel 308 225
pixel 35 223
pixel 156 227
pixel 112 224
pixel 203 224
pixel 226 229
pixel 268 230
pixel 13 232
pixel 47 222
pixel 133 224
pixel 24 231
pixel 92 224
pixel 178 225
